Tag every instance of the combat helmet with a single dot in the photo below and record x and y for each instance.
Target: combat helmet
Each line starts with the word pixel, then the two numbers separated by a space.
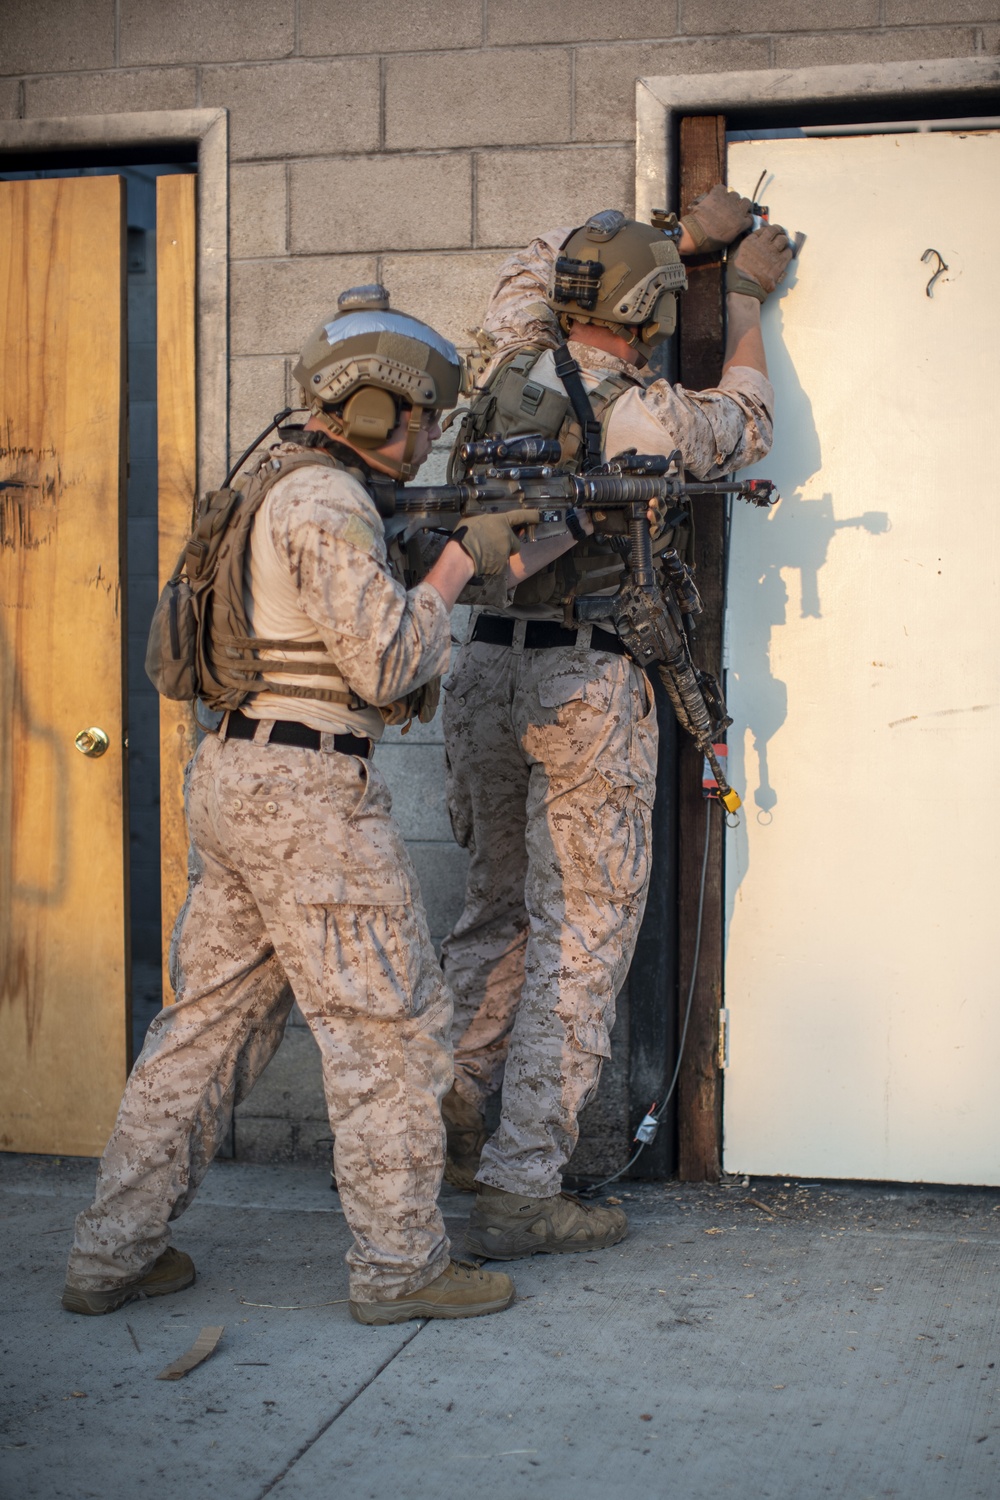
pixel 621 274
pixel 367 362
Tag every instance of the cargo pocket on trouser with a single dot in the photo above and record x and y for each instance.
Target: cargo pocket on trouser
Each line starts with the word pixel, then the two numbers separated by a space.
pixel 358 903
pixel 360 960
pixel 606 838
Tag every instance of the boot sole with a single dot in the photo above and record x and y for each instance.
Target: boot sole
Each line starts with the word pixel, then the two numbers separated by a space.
pixel 379 1314
pixel 92 1304
pixel 484 1252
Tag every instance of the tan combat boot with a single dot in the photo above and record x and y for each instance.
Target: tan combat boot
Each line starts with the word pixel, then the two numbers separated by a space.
pixel 170 1272
pixel 504 1226
pixel 461 1291
pixel 466 1132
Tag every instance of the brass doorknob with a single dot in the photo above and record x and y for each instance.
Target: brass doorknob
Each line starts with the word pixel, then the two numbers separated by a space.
pixel 92 742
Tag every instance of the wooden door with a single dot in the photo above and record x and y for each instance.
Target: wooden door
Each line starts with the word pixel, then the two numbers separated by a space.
pixel 63 849
pixel 864 659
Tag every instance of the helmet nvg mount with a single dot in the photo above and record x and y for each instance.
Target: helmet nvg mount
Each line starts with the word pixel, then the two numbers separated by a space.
pixel 621 274
pixel 367 362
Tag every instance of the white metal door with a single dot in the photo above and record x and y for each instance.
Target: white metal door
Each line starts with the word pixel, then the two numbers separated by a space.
pixel 862 631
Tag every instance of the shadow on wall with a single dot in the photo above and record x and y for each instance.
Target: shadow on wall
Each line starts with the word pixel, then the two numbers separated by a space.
pixel 794 536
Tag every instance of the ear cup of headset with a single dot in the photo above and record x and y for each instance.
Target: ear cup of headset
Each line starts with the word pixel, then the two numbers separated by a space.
pixel 369 416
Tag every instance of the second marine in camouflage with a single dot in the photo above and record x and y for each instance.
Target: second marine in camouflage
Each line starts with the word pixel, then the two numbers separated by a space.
pixel 550 730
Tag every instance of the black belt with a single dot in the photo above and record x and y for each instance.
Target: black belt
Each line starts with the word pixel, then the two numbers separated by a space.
pixel 291 732
pixel 496 630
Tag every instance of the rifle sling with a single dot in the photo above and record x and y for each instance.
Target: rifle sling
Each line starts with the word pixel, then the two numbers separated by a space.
pixel 569 373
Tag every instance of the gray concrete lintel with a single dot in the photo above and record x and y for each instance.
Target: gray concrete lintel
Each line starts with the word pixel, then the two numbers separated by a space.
pixel 660 101
pixel 209 130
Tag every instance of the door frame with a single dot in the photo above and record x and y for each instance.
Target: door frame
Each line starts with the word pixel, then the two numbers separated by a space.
pixel 860 93
pixel 161 134
pixel 166 130
pixel 797 96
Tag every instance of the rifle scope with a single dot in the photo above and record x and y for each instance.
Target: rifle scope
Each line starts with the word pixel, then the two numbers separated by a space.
pixel 533 449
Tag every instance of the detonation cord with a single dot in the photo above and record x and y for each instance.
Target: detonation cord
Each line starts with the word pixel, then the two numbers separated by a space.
pixel 653 1119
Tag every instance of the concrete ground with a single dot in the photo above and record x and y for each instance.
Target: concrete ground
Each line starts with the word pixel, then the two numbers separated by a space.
pixel 761 1339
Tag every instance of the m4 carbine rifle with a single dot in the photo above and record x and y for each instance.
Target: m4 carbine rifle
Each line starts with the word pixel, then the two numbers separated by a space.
pixel 655 608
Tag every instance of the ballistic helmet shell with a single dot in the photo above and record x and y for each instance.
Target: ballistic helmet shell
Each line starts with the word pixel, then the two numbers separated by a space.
pixel 620 273
pixel 366 343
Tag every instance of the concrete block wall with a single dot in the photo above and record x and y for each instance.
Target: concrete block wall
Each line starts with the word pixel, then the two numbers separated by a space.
pixel 417 143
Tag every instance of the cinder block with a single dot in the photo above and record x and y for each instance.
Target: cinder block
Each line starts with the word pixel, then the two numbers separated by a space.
pixel 298 108
pixel 386 26
pixel 522 193
pixel 49 36
pixel 256 392
pixel 191 31
pixel 415 775
pixel 435 469
pixel 991 40
pixel 303 1142
pixel 291 1086
pixel 276 304
pixel 258 210
pixel 10 98
pixel 606 78
pixel 517 97
pixel 448 291
pixel 441 870
pixel 871 46
pixel 910 12
pixel 114 93
pixel 519 21
pixel 722 17
pixel 376 203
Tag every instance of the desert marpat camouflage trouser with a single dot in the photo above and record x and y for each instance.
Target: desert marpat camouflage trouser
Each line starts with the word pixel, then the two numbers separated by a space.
pixel 551 779
pixel 298 873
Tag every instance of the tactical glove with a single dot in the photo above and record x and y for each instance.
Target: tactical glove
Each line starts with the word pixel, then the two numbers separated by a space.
pixel 716 218
pixel 759 262
pixel 489 539
pixel 656 515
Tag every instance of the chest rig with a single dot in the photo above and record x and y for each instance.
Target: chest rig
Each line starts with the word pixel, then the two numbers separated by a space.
pixel 514 404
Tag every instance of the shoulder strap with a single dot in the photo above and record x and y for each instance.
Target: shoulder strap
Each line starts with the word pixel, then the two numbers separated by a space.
pixel 612 386
pixel 569 373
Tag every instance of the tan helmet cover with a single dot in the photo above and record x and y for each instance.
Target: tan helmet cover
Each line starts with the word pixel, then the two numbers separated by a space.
pixel 368 345
pixel 620 273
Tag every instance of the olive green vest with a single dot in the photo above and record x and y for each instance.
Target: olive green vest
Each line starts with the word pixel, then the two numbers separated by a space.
pixel 512 404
